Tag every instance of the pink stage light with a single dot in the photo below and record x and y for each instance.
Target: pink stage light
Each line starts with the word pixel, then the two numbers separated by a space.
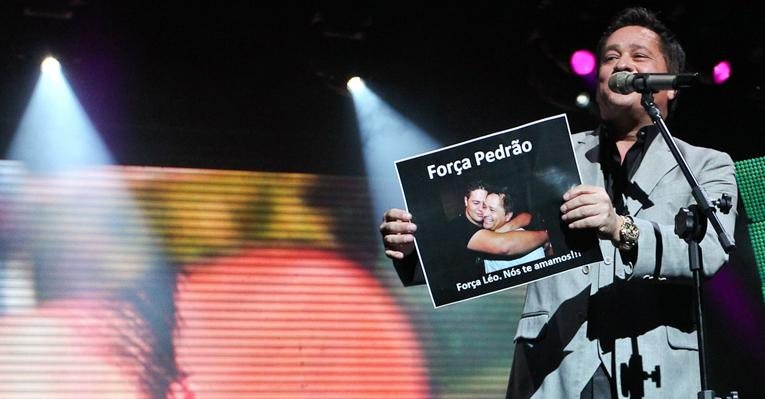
pixel 721 72
pixel 583 62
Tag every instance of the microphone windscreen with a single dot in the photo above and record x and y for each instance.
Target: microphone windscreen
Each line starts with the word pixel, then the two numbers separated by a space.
pixel 620 82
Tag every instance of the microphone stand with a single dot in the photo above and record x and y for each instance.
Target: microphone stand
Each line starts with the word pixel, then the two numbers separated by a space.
pixel 691 225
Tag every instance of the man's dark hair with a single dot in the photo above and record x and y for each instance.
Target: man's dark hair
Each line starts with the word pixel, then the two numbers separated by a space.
pixel 505 196
pixel 474 185
pixel 673 52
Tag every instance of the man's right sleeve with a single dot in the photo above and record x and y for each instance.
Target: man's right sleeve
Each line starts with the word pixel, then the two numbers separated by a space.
pixel 409 270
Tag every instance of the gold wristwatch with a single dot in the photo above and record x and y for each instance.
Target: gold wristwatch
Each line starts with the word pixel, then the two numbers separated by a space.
pixel 628 234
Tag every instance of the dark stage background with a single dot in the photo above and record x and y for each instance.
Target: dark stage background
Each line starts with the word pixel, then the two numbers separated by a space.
pixel 261 87
pixel 239 250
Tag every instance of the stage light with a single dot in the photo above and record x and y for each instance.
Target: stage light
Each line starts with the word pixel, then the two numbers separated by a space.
pixel 50 65
pixel 55 133
pixel 721 72
pixel 355 83
pixel 583 62
pixel 60 151
pixel 583 100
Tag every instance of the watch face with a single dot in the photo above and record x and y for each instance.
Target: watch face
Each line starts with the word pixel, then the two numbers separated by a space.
pixel 632 232
pixel 629 231
pixel 628 234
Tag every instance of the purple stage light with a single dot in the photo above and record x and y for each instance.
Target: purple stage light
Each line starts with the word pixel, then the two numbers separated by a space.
pixel 583 62
pixel 721 72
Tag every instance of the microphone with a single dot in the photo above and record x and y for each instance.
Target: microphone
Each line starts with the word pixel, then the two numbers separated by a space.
pixel 625 82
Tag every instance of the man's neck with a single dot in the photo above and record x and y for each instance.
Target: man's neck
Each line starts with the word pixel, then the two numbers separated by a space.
pixel 625 136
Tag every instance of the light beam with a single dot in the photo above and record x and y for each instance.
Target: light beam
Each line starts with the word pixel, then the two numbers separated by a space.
pixel 386 136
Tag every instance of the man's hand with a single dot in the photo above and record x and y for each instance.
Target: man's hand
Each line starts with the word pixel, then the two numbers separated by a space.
pixel 397 232
pixel 589 207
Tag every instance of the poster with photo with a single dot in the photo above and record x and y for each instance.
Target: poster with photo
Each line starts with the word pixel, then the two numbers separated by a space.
pixel 487 211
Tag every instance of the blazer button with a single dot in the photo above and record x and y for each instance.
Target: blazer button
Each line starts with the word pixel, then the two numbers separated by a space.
pixel 586 269
pixel 607 260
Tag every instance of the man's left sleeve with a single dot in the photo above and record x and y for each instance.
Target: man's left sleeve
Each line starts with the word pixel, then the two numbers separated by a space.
pixel 661 254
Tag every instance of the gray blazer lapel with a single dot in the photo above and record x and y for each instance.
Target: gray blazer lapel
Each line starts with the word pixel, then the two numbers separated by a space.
pixel 657 162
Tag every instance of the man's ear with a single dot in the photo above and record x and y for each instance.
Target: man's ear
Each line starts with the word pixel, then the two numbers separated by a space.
pixel 508 216
pixel 671 94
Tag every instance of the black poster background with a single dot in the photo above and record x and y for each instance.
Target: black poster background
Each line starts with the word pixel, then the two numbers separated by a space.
pixel 537 178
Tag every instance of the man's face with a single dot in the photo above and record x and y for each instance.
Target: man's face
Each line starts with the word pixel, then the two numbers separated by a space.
pixel 635 49
pixel 494 215
pixel 474 205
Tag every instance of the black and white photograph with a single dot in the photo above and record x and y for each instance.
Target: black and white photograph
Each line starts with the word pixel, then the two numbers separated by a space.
pixel 489 208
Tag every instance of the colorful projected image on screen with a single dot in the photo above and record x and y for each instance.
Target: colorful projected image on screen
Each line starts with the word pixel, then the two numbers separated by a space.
pixel 130 282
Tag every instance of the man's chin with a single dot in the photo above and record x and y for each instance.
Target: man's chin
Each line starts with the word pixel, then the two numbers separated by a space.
pixel 616 103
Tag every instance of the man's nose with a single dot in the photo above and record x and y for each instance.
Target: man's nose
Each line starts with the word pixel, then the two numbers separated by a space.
pixel 624 64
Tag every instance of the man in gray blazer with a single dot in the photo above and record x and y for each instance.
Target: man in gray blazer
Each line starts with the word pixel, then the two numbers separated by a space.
pixel 622 327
